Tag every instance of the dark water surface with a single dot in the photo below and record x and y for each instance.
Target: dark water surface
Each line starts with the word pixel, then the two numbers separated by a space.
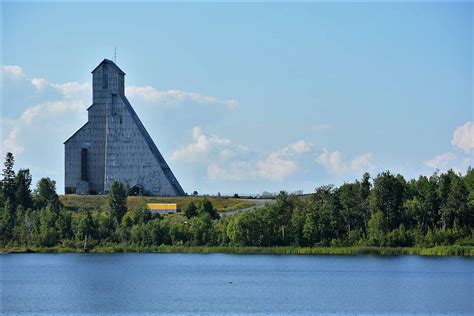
pixel 238 284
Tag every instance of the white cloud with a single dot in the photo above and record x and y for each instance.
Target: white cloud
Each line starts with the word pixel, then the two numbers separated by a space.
pixel 40 83
pixel 441 161
pixel 174 97
pixel 276 167
pixel 362 163
pixel 11 143
pixel 300 147
pixel 234 171
pixel 35 123
pixel 458 160
pixel 73 89
pixel 201 147
pixel 13 71
pixel 228 162
pixel 68 89
pixel 334 163
pixel 331 161
pixel 463 137
pixel 282 163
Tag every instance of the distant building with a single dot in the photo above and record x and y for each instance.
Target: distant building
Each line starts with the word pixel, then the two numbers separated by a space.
pixel 268 194
pixel 114 144
pixel 298 192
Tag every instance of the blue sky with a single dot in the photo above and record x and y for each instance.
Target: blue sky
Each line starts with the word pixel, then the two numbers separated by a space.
pixel 250 97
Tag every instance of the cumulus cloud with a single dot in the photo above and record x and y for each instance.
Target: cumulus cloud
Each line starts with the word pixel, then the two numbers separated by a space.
pixel 38 118
pixel 461 157
pixel 35 121
pixel 441 161
pixel 13 71
pixel 334 163
pixel 201 147
pixel 11 143
pixel 362 163
pixel 282 163
pixel 73 89
pixel 40 83
pixel 233 171
pixel 300 147
pixel 276 167
pixel 463 137
pixel 226 161
pixel 174 97
pixel 68 89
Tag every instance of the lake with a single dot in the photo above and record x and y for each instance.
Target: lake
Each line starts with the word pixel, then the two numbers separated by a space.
pixel 237 284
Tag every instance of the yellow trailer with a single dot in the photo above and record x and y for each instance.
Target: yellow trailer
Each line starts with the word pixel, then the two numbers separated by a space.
pixel 163 208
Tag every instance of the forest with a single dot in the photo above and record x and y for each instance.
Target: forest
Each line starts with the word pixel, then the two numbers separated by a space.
pixel 384 211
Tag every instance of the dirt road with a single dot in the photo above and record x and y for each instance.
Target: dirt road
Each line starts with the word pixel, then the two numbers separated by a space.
pixel 259 203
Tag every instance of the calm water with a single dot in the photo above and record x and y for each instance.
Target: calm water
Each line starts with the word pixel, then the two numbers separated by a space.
pixel 239 284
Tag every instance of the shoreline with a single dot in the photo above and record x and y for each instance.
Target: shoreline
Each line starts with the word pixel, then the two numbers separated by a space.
pixel 463 251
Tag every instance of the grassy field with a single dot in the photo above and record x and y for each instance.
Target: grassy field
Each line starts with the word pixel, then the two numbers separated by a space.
pixel 379 251
pixel 91 202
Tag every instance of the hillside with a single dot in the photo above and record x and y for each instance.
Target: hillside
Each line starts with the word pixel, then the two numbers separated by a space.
pixel 91 202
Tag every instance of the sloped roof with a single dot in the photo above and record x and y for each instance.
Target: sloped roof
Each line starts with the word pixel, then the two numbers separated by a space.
pixel 156 153
pixel 72 136
pixel 110 63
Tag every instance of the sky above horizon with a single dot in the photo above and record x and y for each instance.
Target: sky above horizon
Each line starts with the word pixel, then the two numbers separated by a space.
pixel 250 97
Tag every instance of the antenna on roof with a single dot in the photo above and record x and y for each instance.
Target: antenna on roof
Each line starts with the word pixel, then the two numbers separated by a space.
pixel 115 54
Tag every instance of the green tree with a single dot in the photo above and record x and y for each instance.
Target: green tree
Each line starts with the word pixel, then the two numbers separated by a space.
pixel 107 225
pixel 309 230
pixel 207 207
pixel 191 210
pixel 63 225
pixel 387 197
pixel 27 227
pixel 117 199
pixel 84 228
pixel 23 188
pixel 455 210
pixel 298 219
pixel 351 203
pixel 45 194
pixel 48 234
pixel 7 222
pixel 365 187
pixel 377 229
pixel 246 229
pixel 8 182
pixel 202 230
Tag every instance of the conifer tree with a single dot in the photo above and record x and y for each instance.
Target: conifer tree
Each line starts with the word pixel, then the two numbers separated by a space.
pixel 8 182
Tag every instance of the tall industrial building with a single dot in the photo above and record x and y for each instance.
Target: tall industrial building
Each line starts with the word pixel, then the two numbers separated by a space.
pixel 114 144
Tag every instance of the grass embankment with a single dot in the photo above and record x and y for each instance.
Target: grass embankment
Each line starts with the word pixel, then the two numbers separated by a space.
pixel 92 202
pixel 467 251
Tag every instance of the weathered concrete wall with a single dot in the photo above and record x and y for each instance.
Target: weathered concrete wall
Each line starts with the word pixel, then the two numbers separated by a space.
pixel 119 147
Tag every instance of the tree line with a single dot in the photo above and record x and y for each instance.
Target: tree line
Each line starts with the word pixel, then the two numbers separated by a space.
pixel 386 211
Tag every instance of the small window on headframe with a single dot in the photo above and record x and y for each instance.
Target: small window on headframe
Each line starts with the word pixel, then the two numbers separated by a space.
pixel 105 76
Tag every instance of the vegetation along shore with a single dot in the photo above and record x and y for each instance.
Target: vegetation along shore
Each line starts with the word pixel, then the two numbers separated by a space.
pixel 384 215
